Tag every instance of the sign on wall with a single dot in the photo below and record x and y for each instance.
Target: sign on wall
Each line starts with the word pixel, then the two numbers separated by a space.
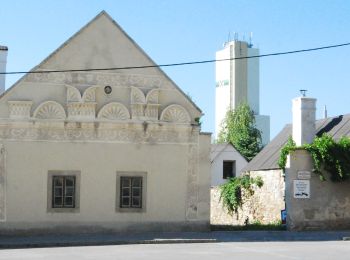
pixel 301 189
pixel 304 175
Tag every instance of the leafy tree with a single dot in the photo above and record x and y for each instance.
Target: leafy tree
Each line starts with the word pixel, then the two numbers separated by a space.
pixel 238 128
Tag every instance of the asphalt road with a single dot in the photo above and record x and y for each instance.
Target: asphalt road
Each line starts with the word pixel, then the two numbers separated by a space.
pixel 231 250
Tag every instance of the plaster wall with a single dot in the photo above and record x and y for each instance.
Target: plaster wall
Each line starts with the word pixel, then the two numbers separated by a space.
pixel 327 208
pixel 28 163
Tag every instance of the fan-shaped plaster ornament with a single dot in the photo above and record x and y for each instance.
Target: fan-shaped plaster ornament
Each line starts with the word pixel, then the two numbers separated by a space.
pixel 152 96
pixel 50 110
pixel 114 111
pixel 73 94
pixel 137 96
pixel 89 95
pixel 175 113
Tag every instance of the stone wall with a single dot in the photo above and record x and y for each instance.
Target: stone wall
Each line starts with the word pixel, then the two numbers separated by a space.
pixel 327 205
pixel 264 206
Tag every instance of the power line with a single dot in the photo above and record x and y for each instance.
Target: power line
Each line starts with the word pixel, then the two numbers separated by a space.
pixel 181 63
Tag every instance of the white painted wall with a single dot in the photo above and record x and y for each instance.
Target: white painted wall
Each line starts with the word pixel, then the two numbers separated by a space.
pixel 220 153
pixel 253 80
pixel 304 116
pixel 28 163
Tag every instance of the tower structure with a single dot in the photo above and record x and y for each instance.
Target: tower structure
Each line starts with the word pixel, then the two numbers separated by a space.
pixel 3 61
pixel 237 81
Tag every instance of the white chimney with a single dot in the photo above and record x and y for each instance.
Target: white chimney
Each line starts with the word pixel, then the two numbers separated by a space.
pixel 3 61
pixel 304 116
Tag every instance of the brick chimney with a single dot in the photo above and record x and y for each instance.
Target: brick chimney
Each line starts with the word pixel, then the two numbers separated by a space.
pixel 304 116
pixel 3 61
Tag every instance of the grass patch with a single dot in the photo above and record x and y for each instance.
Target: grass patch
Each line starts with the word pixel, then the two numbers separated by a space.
pixel 255 226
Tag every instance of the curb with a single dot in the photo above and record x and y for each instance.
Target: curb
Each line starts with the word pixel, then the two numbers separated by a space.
pixel 103 243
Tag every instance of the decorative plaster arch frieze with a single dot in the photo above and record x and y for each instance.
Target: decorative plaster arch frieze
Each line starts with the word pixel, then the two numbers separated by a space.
pixel 137 96
pixel 89 94
pixel 114 111
pixel 152 96
pixel 175 113
pixel 73 94
pixel 50 110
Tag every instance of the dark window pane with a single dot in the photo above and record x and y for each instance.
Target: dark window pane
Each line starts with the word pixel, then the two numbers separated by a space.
pixel 125 182
pixel 69 191
pixel 126 192
pixel 58 181
pixel 136 182
pixel 136 191
pixel 136 202
pixel 126 202
pixel 69 181
pixel 68 201
pixel 58 202
pixel 58 192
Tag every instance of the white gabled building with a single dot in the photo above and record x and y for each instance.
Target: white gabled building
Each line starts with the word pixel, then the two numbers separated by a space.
pixel 226 162
pixel 91 151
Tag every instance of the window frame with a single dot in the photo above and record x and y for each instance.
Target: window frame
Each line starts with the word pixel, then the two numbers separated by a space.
pixel 131 175
pixel 50 191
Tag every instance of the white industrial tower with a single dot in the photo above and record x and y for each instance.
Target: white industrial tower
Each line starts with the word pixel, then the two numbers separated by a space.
pixel 3 61
pixel 237 81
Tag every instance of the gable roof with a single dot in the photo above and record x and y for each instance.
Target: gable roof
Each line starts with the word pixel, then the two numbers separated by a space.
pixel 267 159
pixel 72 38
pixel 217 149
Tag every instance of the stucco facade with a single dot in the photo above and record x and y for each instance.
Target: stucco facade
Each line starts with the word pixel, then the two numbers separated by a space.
pixel 221 153
pixel 99 126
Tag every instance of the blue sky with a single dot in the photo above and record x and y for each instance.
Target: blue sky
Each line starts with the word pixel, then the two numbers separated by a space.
pixel 185 30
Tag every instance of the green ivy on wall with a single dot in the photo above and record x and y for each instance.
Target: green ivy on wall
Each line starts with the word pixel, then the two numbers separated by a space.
pixel 328 155
pixel 233 191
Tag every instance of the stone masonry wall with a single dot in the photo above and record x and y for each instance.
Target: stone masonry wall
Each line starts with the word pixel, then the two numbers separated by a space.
pixel 264 206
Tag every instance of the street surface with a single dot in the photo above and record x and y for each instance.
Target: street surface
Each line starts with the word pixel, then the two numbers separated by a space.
pixel 232 250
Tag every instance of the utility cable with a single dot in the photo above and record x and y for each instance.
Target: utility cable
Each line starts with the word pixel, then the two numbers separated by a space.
pixel 178 64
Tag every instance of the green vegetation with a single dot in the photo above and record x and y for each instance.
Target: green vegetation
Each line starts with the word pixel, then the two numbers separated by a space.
pixel 253 226
pixel 328 156
pixel 236 189
pixel 238 128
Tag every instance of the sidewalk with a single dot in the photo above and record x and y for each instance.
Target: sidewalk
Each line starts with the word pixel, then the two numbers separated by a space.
pixel 7 242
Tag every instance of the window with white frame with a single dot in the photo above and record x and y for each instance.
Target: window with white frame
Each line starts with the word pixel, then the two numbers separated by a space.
pixel 131 191
pixel 63 188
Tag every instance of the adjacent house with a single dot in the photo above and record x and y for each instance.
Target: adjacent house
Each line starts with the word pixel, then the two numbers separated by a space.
pixel 326 204
pixel 226 162
pixel 101 150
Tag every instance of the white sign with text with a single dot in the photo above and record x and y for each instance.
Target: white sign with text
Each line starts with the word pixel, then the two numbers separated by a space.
pixel 301 189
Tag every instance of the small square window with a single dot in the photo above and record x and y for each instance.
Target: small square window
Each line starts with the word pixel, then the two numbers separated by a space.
pixel 131 191
pixel 229 169
pixel 63 191
pixel 131 187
